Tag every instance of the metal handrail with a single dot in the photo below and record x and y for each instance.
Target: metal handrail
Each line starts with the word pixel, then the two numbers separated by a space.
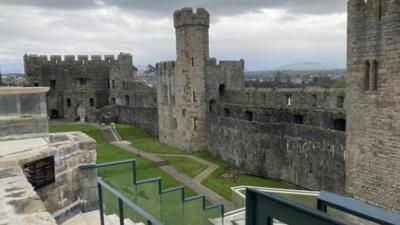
pixel 263 208
pixel 357 208
pixel 122 199
pixel 145 181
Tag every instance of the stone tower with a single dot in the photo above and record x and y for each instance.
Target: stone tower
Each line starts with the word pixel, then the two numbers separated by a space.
pixel 182 84
pixel 373 113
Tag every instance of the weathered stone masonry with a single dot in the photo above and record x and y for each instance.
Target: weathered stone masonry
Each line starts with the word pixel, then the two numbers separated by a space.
pixel 74 189
pixel 373 137
pixel 91 85
pixel 301 143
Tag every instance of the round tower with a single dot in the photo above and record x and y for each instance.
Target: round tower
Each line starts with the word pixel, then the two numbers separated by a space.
pixel 189 98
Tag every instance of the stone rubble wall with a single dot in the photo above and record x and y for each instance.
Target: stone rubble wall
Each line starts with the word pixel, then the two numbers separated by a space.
pixel 72 186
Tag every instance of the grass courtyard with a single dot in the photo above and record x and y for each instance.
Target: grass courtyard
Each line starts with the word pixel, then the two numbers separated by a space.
pixel 215 182
pixel 107 152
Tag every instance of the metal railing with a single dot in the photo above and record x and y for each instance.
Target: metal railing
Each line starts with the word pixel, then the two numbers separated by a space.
pixel 154 215
pixel 263 208
pixel 357 208
pixel 121 201
pixel 269 206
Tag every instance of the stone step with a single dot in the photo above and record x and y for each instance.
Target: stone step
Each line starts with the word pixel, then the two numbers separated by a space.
pixel 111 219
pixel 163 163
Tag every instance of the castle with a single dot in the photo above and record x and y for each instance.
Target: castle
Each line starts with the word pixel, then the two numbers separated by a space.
pixel 340 140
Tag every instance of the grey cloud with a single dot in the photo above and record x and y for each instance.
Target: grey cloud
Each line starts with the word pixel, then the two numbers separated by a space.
pixel 217 7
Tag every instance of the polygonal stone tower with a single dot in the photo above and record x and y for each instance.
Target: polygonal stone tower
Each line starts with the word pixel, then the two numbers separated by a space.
pixel 373 110
pixel 182 103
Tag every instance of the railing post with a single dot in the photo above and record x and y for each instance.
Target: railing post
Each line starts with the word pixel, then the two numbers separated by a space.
pixel 121 211
pixel 101 210
pixel 321 206
pixel 270 221
pixel 149 222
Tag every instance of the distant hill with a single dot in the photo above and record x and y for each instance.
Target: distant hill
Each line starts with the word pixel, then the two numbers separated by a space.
pixel 311 66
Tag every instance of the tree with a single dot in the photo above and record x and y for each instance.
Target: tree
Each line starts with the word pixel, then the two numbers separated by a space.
pixel 150 69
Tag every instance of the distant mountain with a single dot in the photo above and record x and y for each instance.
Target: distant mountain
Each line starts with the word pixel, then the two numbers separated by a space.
pixel 311 66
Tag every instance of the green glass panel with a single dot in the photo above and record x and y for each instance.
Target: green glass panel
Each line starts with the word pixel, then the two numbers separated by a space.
pixel 172 208
pixel 193 212
pixel 149 199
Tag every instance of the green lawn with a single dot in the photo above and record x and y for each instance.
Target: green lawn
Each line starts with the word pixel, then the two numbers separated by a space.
pixel 107 153
pixel 186 165
pixel 141 140
pixel 221 186
pixel 145 195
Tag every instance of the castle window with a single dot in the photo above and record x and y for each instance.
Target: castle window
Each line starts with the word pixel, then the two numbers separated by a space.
pixel 123 84
pixel 91 101
pixel 113 101
pixel 173 99
pixel 82 82
pixel 310 168
pixel 314 100
pixel 52 84
pixel 194 96
pixel 174 123
pixel 227 112
pixel 288 99
pixel 375 77
pixel 340 102
pixel 248 115
pixel 212 106
pixel 195 123
pixel 339 124
pixel 165 93
pixel 221 90
pixel 113 84
pixel 68 102
pixel 265 98
pixel 299 119
pixel 183 112
pixel 192 61
pixel 127 100
pixel 367 75
pixel 380 10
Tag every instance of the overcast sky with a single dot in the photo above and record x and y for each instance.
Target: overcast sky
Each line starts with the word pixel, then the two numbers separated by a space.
pixel 265 33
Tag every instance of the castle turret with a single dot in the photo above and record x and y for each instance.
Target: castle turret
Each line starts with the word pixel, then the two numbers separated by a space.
pixel 373 128
pixel 182 88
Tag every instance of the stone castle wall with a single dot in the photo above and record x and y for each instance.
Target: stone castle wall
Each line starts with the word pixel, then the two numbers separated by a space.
pixel 373 140
pixel 298 143
pixel 136 104
pixel 75 82
pixel 74 189
pixel 96 85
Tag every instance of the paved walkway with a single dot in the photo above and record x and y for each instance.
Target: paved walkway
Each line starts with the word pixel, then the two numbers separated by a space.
pixel 193 183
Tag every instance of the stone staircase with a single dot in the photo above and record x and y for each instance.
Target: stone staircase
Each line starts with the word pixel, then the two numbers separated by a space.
pixel 93 218
pixel 113 219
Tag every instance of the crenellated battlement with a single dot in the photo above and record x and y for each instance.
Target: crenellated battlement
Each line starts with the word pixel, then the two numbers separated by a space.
pixel 186 16
pixel 71 59
pixel 167 67
pixel 373 8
